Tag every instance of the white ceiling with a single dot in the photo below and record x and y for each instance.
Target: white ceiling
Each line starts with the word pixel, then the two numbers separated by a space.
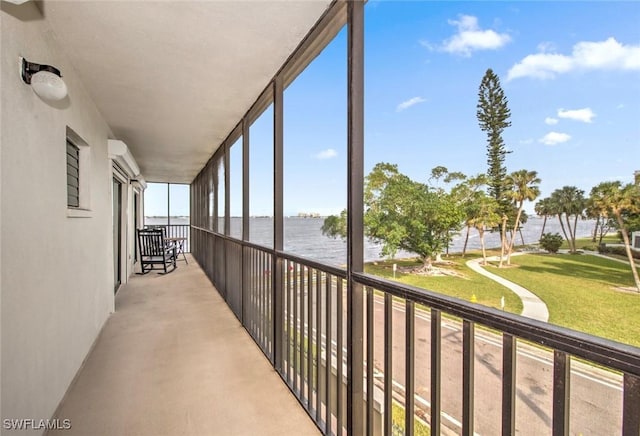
pixel 173 78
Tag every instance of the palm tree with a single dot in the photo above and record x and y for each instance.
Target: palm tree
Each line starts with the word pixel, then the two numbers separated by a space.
pixel 565 203
pixel 469 194
pixel 602 225
pixel 575 204
pixel 523 186
pixel 543 209
pixel 611 198
pixel 486 216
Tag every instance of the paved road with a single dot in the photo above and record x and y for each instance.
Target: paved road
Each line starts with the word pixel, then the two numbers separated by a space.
pixel 596 395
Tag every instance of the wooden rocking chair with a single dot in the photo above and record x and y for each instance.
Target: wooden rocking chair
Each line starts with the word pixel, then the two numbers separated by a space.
pixel 154 250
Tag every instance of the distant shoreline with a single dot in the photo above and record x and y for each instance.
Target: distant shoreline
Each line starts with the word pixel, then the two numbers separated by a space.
pixel 303 237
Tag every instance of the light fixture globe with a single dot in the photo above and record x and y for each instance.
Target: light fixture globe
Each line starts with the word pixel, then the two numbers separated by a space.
pixel 48 86
pixel 45 80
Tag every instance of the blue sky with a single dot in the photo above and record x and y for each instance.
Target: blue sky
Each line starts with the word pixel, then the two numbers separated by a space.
pixel 155 198
pixel 570 70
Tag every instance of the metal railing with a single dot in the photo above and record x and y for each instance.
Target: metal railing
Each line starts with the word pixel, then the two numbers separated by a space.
pixel 430 360
pixel 176 231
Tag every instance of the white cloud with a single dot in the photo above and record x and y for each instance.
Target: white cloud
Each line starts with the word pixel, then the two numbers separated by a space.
pixel 470 38
pixel 408 103
pixel 620 106
pixel 586 55
pixel 551 121
pixel 553 138
pixel 326 154
pixel 585 115
pixel 546 46
pixel 540 66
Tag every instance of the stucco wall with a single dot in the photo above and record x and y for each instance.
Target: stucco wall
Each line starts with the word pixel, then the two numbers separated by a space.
pixel 1 106
pixel 57 281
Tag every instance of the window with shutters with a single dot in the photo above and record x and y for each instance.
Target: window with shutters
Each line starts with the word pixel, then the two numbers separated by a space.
pixel 73 175
pixel 78 154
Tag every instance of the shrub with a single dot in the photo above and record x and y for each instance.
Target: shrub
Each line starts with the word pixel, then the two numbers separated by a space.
pixel 551 242
pixel 620 251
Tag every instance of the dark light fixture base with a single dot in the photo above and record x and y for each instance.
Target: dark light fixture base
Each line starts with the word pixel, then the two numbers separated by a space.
pixel 28 69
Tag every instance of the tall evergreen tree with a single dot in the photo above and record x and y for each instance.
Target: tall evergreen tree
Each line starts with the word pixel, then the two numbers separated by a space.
pixel 493 117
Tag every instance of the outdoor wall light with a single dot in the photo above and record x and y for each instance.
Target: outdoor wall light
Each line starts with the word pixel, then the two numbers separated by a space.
pixel 45 80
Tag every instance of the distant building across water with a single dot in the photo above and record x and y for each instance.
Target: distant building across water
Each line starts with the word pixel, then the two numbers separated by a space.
pixel 308 215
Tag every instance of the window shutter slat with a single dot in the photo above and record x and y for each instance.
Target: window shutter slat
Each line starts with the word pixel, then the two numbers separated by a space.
pixel 73 175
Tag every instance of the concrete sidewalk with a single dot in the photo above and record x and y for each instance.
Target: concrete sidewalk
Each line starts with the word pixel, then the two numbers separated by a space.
pixel 532 306
pixel 174 360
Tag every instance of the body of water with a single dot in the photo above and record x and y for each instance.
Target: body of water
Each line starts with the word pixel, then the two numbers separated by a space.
pixel 303 237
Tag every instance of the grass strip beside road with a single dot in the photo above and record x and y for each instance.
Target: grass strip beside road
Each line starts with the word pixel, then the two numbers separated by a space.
pixel 398 417
pixel 581 292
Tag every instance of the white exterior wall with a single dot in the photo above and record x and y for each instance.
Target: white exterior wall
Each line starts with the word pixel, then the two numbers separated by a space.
pixel 57 271
pixel 1 227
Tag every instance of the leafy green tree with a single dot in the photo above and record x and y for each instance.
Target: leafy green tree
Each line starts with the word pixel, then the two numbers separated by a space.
pixel 402 214
pixel 469 194
pixel 522 186
pixel 551 242
pixel 632 222
pixel 565 203
pixel 335 226
pixel 615 200
pixel 441 172
pixel 459 192
pixel 493 117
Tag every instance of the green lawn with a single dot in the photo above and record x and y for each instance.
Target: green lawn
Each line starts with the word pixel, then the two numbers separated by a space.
pixel 579 292
pixel 587 244
pixel 486 291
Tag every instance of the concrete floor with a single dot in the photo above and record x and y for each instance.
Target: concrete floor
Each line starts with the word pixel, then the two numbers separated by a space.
pixel 174 360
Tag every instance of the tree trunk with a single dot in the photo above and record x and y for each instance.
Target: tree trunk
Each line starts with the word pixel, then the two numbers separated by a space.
pixel 521 236
pixel 466 240
pixel 595 230
pixel 575 230
pixel 484 251
pixel 571 241
pixel 544 224
pixel 563 230
pixel 627 247
pixel 602 231
pixel 515 231
pixel 426 263
pixel 503 238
